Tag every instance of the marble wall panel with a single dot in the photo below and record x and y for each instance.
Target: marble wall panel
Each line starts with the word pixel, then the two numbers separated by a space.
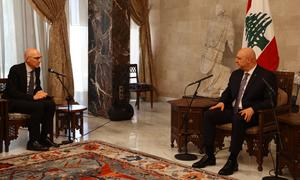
pixel 108 54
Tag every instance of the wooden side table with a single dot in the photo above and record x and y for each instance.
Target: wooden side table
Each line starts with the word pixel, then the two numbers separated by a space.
pixel 289 125
pixel 178 108
pixel 76 117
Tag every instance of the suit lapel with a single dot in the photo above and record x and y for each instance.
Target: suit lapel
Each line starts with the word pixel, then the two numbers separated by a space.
pixel 252 79
pixel 37 76
pixel 237 85
pixel 23 77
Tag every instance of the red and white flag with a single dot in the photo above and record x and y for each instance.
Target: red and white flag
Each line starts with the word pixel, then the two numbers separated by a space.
pixel 259 34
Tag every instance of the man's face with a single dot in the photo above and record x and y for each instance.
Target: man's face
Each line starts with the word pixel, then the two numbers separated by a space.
pixel 33 59
pixel 242 61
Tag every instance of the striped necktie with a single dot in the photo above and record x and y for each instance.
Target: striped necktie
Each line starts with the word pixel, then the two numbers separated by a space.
pixel 31 84
pixel 241 92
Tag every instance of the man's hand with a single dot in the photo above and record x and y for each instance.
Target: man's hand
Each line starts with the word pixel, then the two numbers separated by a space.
pixel 219 105
pixel 247 113
pixel 40 95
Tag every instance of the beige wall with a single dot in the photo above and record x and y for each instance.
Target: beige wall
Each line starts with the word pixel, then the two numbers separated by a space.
pixel 179 31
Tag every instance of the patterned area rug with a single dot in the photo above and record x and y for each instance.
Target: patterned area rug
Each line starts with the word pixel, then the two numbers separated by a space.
pixel 96 160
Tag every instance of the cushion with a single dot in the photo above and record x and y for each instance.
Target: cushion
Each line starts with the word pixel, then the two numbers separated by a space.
pixel 226 127
pixel 251 130
pixel 140 87
pixel 18 116
pixel 282 97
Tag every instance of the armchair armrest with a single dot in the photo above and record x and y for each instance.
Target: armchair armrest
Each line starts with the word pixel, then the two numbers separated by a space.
pixel 266 121
pixel 266 117
pixel 3 118
pixel 3 100
pixel 3 107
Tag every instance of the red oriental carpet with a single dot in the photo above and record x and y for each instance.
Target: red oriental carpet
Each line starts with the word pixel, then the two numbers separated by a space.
pixel 96 160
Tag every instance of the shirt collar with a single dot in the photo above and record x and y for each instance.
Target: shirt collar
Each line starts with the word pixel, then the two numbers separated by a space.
pixel 28 68
pixel 250 72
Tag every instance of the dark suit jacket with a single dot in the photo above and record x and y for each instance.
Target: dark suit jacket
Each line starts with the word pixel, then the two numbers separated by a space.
pixel 256 94
pixel 17 83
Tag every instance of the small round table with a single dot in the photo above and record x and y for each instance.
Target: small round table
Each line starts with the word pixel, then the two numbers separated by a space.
pixel 76 118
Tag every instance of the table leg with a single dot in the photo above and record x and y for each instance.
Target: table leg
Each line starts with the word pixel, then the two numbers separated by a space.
pixel 57 124
pixel 73 121
pixel 81 123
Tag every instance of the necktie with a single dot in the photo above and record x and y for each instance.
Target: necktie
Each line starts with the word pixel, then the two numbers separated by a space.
pixel 241 92
pixel 31 83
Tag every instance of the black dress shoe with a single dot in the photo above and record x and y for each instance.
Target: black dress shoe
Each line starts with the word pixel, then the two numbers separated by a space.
pixel 205 161
pixel 48 143
pixel 229 168
pixel 36 146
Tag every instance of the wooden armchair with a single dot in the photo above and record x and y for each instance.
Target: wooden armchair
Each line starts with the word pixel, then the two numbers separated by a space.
pixel 137 86
pixel 11 122
pixel 259 137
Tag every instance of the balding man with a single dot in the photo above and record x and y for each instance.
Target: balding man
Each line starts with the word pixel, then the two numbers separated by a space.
pixel 26 96
pixel 246 93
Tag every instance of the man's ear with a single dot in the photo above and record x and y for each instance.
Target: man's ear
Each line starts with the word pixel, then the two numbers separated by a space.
pixel 249 60
pixel 26 57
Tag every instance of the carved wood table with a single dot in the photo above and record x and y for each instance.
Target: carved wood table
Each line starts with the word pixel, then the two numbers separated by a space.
pixel 290 133
pixel 178 108
pixel 76 118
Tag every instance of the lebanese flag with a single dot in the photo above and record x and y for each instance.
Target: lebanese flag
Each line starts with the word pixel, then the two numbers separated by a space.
pixel 259 34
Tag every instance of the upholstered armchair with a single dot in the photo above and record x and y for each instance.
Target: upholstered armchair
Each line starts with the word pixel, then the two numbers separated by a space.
pixel 259 137
pixel 9 122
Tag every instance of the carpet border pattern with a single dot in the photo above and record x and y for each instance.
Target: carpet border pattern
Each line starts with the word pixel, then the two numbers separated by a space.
pixel 167 168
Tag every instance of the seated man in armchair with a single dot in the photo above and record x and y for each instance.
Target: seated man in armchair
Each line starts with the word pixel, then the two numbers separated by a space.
pixel 246 93
pixel 26 96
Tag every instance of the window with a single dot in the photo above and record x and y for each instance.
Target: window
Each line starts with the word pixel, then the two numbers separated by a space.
pixel 134 43
pixel 79 47
pixel 20 28
pixel 8 37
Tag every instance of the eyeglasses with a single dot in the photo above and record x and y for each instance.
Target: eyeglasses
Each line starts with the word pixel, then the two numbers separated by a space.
pixel 37 58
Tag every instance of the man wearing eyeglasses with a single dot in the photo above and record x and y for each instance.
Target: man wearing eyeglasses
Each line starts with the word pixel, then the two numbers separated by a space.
pixel 26 96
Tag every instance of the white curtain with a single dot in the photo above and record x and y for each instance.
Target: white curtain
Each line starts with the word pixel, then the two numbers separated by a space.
pixel 78 29
pixel 134 43
pixel 20 28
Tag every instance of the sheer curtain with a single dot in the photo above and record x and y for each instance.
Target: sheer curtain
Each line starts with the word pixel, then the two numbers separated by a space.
pixel 134 46
pixel 78 29
pixel 20 28
pixel 134 42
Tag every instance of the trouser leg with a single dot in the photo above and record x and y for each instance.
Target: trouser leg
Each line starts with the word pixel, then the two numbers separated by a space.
pixel 35 109
pixel 47 119
pixel 239 127
pixel 210 120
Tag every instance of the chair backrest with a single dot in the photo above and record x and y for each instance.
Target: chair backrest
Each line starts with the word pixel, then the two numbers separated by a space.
pixel 9 122
pixel 285 82
pixel 133 73
pixel 3 82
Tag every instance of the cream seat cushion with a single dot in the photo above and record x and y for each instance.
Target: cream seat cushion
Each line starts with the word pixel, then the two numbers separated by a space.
pixel 18 116
pixel 282 99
